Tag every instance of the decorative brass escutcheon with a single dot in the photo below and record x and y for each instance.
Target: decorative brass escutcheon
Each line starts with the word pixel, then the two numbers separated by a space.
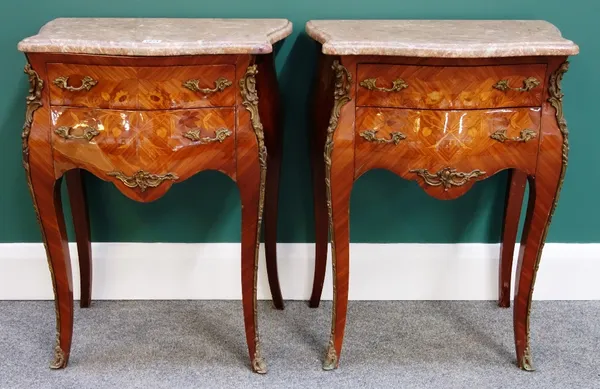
pixel 371 136
pixel 528 84
pixel 371 84
pixel 143 179
pixel 87 83
pixel 220 84
pixel 447 177
pixel 525 136
pixel 220 135
pixel 88 133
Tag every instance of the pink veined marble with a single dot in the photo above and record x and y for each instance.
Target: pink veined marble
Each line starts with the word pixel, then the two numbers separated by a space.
pixel 157 37
pixel 440 38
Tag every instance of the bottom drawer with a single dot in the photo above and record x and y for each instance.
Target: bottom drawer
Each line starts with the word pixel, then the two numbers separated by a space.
pixel 167 145
pixel 425 145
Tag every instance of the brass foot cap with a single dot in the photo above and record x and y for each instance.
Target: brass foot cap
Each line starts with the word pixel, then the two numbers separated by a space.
pixel 526 363
pixel 327 366
pixel 259 366
pixel 527 367
pixel 60 359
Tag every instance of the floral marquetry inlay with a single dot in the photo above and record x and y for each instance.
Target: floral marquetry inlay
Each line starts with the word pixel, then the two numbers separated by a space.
pixel 144 104
pixel 445 104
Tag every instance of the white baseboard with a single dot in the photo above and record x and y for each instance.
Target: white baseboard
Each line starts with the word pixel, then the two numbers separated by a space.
pixel 208 271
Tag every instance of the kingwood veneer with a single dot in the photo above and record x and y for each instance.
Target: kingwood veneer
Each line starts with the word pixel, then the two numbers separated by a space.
pixel 145 104
pixel 446 104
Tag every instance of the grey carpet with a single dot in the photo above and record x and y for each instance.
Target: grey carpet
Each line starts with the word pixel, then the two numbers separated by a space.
pixel 200 344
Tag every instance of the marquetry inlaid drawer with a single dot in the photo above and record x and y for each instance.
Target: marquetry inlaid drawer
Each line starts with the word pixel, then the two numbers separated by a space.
pixel 108 141
pixel 406 140
pixel 157 87
pixel 450 87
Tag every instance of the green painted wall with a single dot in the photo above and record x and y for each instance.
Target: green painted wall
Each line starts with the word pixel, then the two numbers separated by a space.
pixel 384 207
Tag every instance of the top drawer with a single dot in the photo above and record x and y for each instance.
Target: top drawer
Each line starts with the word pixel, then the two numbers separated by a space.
pixel 122 87
pixel 450 87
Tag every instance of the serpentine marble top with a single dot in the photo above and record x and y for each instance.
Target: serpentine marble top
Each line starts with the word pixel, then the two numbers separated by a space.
pixel 440 38
pixel 157 37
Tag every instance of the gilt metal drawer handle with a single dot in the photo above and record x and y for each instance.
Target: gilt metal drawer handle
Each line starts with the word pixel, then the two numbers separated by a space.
pixel 65 132
pixel 371 136
pixel 525 136
pixel 220 135
pixel 447 177
pixel 528 84
pixel 87 83
pixel 220 84
pixel 143 179
pixel 371 84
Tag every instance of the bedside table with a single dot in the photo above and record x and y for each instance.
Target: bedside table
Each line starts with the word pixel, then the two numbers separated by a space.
pixel 145 104
pixel 446 104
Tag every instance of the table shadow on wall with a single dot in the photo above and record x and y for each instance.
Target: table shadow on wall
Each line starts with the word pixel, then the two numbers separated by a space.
pixel 204 208
pixel 387 209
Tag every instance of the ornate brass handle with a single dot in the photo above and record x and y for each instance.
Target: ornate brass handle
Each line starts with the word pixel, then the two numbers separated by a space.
pixel 371 84
pixel 143 179
pixel 220 84
pixel 528 84
pixel 371 136
pixel 87 83
pixel 447 177
pixel 88 133
pixel 220 135
pixel 525 136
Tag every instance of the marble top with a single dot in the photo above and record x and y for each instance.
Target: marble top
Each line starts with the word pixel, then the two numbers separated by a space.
pixel 440 38
pixel 157 37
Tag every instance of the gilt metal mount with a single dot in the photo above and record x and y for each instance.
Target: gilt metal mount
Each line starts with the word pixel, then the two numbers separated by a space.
pixel 220 135
pixel 66 132
pixel 447 177
pixel 220 84
pixel 525 136
pixel 528 84
pixel 371 84
pixel 87 83
pixel 371 136
pixel 143 179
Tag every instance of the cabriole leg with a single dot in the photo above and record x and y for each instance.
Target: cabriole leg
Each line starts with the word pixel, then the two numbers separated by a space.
pixel 517 181
pixel 79 211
